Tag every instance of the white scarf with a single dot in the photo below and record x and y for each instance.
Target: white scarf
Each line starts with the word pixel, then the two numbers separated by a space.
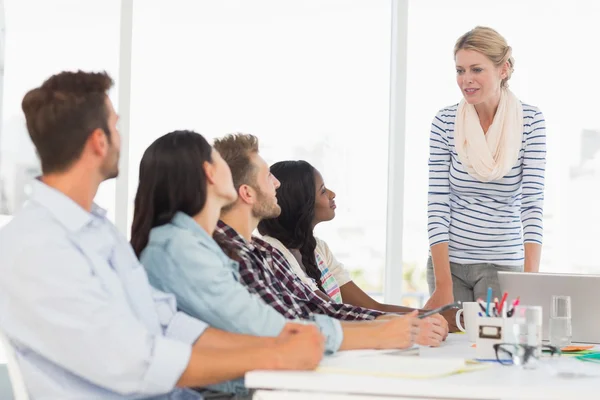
pixel 489 157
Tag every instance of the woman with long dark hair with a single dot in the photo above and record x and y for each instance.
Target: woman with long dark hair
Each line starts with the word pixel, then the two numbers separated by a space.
pixel 305 201
pixel 176 174
pixel 183 185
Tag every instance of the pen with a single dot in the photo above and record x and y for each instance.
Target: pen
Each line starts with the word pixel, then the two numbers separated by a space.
pixel 440 309
pixel 481 305
pixel 489 300
pixel 515 304
pixel 502 301
pixel 495 310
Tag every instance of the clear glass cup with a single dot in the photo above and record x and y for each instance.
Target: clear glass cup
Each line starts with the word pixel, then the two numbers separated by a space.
pixel 561 330
pixel 527 331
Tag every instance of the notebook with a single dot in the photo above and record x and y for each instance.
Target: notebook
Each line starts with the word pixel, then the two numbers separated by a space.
pixel 395 365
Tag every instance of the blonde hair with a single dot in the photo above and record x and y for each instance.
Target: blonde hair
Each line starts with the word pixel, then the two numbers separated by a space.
pixel 491 44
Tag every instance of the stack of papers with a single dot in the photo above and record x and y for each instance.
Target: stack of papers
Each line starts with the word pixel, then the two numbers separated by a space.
pixel 393 364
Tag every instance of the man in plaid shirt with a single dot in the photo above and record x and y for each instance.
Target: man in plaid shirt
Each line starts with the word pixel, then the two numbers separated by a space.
pixel 263 269
pixel 278 285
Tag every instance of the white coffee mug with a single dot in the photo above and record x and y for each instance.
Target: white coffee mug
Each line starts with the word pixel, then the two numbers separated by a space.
pixel 470 311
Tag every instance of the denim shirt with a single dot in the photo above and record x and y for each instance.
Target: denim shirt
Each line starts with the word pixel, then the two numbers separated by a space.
pixel 183 259
pixel 79 312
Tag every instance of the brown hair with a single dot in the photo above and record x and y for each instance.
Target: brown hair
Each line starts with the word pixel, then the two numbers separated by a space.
pixel 236 149
pixel 63 112
pixel 491 44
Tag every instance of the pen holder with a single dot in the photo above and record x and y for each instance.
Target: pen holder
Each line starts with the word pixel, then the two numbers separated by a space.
pixel 490 331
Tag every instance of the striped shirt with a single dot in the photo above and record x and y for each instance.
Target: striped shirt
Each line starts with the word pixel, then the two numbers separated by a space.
pixel 486 222
pixel 330 285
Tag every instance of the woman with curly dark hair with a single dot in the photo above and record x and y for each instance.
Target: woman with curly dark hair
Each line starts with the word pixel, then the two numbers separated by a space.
pixel 305 201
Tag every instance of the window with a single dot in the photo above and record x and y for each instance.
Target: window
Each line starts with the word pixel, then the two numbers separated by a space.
pixel 555 47
pixel 309 78
pixel 43 38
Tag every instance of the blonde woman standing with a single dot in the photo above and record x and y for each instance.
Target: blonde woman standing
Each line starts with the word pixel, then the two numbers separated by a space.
pixel 486 177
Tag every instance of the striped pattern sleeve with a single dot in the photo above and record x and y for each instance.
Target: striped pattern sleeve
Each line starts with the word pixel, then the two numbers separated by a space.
pixel 438 203
pixel 534 168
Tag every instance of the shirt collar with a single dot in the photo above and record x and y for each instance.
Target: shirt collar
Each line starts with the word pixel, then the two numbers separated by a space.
pixel 232 234
pixel 64 209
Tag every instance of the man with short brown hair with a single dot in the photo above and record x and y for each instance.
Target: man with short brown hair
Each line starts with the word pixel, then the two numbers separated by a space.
pixel 266 272
pixel 62 113
pixel 75 302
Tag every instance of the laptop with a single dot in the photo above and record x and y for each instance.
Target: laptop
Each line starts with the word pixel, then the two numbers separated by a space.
pixel 537 289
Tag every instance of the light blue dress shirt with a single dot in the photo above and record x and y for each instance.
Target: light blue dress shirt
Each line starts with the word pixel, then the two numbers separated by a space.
pixel 79 311
pixel 181 258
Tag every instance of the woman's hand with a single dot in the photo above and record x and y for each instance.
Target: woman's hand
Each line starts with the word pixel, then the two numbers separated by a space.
pixel 441 296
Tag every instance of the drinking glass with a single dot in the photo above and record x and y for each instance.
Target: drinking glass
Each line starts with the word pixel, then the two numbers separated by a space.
pixel 561 330
pixel 527 331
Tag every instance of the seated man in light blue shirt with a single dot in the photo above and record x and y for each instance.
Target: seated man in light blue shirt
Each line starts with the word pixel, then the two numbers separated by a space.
pixel 76 304
pixel 183 186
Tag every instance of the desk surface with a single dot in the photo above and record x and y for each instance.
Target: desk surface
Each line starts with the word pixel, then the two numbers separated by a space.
pixel 278 395
pixel 496 382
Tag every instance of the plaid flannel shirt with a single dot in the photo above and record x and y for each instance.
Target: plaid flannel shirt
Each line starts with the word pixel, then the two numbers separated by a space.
pixel 266 272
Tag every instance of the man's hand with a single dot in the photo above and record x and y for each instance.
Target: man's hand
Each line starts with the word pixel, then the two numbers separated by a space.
pixel 387 317
pixel 292 328
pixel 398 332
pixel 437 320
pixel 433 331
pixel 443 323
pixel 299 347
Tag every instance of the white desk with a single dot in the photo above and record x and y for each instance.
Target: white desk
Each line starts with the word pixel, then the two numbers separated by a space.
pixel 496 382
pixel 280 395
